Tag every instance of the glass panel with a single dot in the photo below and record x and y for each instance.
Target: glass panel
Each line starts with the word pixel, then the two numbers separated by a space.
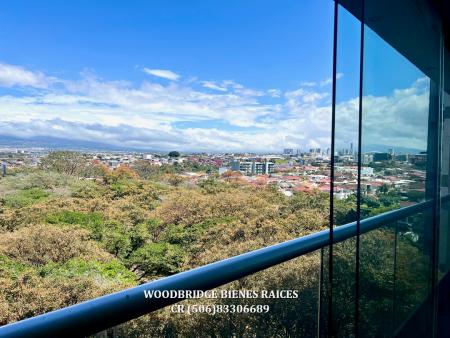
pixel 377 282
pixel 394 143
pixel 345 171
pixel 444 230
pixel 444 221
pixel 273 315
pixel 398 169
pixel 346 117
pixel 395 129
pixel 413 271
pixel 395 281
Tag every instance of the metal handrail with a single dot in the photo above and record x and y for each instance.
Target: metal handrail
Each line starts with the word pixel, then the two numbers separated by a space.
pixel 107 311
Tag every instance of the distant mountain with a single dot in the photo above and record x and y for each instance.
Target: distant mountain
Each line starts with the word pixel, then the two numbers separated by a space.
pixel 67 144
pixel 61 144
pixel 384 149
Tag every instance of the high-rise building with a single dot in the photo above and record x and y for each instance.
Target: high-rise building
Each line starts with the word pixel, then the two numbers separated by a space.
pixel 253 167
pixel 378 157
pixel 288 151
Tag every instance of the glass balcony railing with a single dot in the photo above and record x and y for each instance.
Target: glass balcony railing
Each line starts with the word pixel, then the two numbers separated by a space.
pixel 293 265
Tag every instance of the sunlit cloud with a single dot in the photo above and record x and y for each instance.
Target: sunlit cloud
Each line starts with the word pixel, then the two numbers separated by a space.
pixel 196 116
pixel 213 85
pixel 330 80
pixel 307 84
pixel 11 76
pixel 274 92
pixel 396 120
pixel 163 73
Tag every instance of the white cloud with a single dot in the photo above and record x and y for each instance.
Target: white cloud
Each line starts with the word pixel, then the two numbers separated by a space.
pixel 330 80
pixel 396 120
pixel 307 84
pixel 274 92
pixel 11 76
pixel 151 115
pixel 213 85
pixel 326 82
pixel 248 92
pixel 163 73
pixel 150 104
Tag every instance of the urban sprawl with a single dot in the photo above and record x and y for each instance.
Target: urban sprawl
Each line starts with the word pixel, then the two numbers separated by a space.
pixel 291 170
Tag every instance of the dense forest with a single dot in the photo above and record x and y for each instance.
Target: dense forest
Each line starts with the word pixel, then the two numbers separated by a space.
pixel 71 230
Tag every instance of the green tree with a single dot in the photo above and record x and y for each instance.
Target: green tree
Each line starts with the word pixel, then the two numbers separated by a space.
pixel 157 259
pixel 64 162
pixel 174 154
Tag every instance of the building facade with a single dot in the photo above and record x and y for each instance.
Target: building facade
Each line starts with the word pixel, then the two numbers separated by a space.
pixel 253 167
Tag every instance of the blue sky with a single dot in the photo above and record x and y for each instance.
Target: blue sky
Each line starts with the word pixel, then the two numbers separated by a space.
pixel 259 43
pixel 188 75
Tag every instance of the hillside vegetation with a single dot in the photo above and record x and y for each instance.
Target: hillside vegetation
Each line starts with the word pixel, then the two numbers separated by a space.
pixel 71 231
pixel 65 238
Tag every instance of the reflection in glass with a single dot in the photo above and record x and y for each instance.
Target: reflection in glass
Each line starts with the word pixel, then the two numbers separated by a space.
pixel 394 129
pixel 388 274
pixel 399 139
